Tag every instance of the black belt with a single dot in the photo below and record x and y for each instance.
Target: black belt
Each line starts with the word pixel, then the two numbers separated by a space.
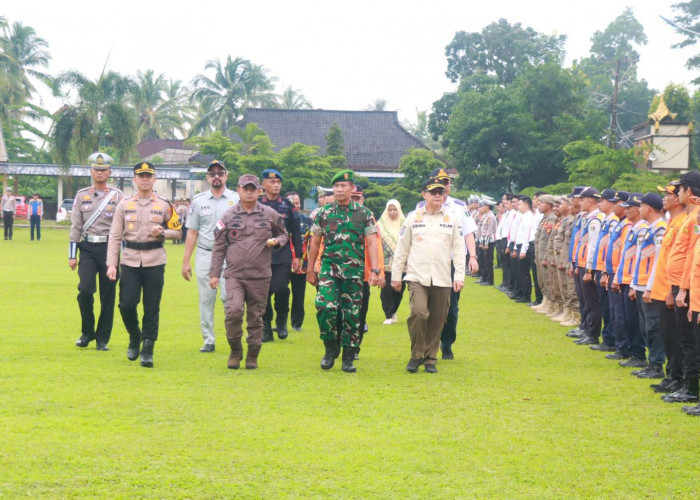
pixel 148 245
pixel 204 248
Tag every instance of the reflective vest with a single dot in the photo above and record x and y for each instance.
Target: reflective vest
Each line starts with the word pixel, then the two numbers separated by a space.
pixel 601 248
pixel 662 283
pixel 625 270
pixel 573 244
pixel 616 245
pixel 583 243
pixel 646 251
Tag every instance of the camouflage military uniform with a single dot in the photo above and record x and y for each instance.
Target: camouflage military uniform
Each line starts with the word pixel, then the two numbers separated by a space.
pixel 343 230
pixel 566 282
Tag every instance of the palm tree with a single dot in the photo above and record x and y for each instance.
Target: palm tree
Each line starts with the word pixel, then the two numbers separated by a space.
pixel 246 135
pixel 100 116
pixel 377 105
pixel 236 84
pixel 22 52
pixel 158 112
pixel 293 99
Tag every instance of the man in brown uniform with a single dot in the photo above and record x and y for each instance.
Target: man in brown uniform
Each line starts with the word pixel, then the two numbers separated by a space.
pixel 542 237
pixel 91 219
pixel 555 236
pixel 244 237
pixel 143 221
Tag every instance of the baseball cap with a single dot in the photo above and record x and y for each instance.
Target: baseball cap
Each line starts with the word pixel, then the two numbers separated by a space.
pixel 653 200
pixel 633 200
pixel 589 192
pixel 216 163
pixel 248 179
pixel 690 179
pixel 576 193
pixel 670 188
pixel 609 194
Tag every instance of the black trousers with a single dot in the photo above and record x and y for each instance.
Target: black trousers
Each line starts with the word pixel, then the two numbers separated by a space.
pixel 449 330
pixel 504 261
pixel 683 337
pixel 134 280
pixel 391 299
pixel 632 327
pixel 578 286
pixel 605 310
pixel 524 266
pixel 514 258
pixel 591 304
pixel 487 272
pixel 298 282
pixel 479 260
pixel 93 263
pixel 8 218
pixel 653 314
pixel 279 287
pixel 617 315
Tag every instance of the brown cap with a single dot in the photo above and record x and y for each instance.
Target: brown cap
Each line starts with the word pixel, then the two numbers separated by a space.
pixel 247 179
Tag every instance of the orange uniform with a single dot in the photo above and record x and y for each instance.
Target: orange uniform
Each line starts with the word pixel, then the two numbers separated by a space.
pixel 662 283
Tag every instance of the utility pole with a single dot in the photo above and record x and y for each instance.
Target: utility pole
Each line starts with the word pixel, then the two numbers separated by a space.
pixel 613 107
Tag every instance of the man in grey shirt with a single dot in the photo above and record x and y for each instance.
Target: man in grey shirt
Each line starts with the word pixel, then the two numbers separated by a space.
pixel 206 210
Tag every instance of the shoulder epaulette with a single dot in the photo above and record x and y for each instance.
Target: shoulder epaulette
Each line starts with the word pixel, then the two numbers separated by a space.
pixel 200 194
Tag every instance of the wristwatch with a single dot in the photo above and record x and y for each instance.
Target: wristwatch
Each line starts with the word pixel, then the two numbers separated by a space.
pixel 375 271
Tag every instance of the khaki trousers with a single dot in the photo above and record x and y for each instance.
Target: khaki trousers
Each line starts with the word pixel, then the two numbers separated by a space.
pixel 429 306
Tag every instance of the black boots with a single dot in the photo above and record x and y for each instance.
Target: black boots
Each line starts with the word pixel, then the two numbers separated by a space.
pixel 267 335
pixel 348 358
pixel 281 323
pixel 147 354
pixel 332 352
pixel 688 394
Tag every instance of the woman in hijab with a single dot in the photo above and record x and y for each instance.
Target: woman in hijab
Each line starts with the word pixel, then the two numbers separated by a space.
pixel 389 227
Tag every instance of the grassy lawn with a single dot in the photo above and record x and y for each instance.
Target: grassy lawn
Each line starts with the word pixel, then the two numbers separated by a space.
pixel 520 413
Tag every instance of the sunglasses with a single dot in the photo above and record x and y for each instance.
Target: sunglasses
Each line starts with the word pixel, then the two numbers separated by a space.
pixel 217 173
pixel 437 192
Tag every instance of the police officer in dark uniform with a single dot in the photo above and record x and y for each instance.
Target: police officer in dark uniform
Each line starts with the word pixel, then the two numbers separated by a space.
pixel 282 262
pixel 91 219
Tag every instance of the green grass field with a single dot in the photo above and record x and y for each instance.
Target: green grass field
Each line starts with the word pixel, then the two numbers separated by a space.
pixel 520 413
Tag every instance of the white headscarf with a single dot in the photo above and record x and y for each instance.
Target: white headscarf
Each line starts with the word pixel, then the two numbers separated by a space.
pixel 389 230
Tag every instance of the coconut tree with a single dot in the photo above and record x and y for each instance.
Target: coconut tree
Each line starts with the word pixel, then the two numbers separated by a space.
pixel 292 98
pixel 98 116
pixel 235 85
pixel 158 112
pixel 22 53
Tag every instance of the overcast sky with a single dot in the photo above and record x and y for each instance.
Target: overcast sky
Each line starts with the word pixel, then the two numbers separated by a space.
pixel 341 55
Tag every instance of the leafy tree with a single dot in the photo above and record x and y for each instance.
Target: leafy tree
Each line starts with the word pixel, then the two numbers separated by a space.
pixel 236 84
pixel 420 131
pixel 416 166
pixel 440 116
pixel 335 147
pixel 221 147
pixel 612 69
pixel 501 50
pixel 642 182
pixel 687 23
pixel 593 164
pixel 677 100
pixel 261 156
pixel 100 116
pixel 303 168
pixel 292 98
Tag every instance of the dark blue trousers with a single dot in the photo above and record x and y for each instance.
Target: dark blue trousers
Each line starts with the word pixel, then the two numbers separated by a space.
pixel 617 320
pixel 635 340
pixel 604 299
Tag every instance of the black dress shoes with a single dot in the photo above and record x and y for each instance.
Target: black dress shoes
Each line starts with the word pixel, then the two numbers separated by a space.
pixel 603 347
pixel 102 347
pixel 208 348
pixel 667 385
pixel 413 365
pixel 634 363
pixel 586 340
pixel 84 341
pixel 430 368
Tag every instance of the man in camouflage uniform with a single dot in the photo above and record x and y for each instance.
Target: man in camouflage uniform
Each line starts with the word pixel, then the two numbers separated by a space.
pixel 550 264
pixel 561 246
pixel 542 237
pixel 344 227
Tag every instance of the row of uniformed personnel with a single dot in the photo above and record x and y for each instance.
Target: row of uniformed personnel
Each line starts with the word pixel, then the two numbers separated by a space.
pixel 621 266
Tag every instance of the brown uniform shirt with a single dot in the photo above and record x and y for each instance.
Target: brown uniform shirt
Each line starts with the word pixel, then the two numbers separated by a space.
pixel 86 203
pixel 133 221
pixel 544 233
pixel 240 238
